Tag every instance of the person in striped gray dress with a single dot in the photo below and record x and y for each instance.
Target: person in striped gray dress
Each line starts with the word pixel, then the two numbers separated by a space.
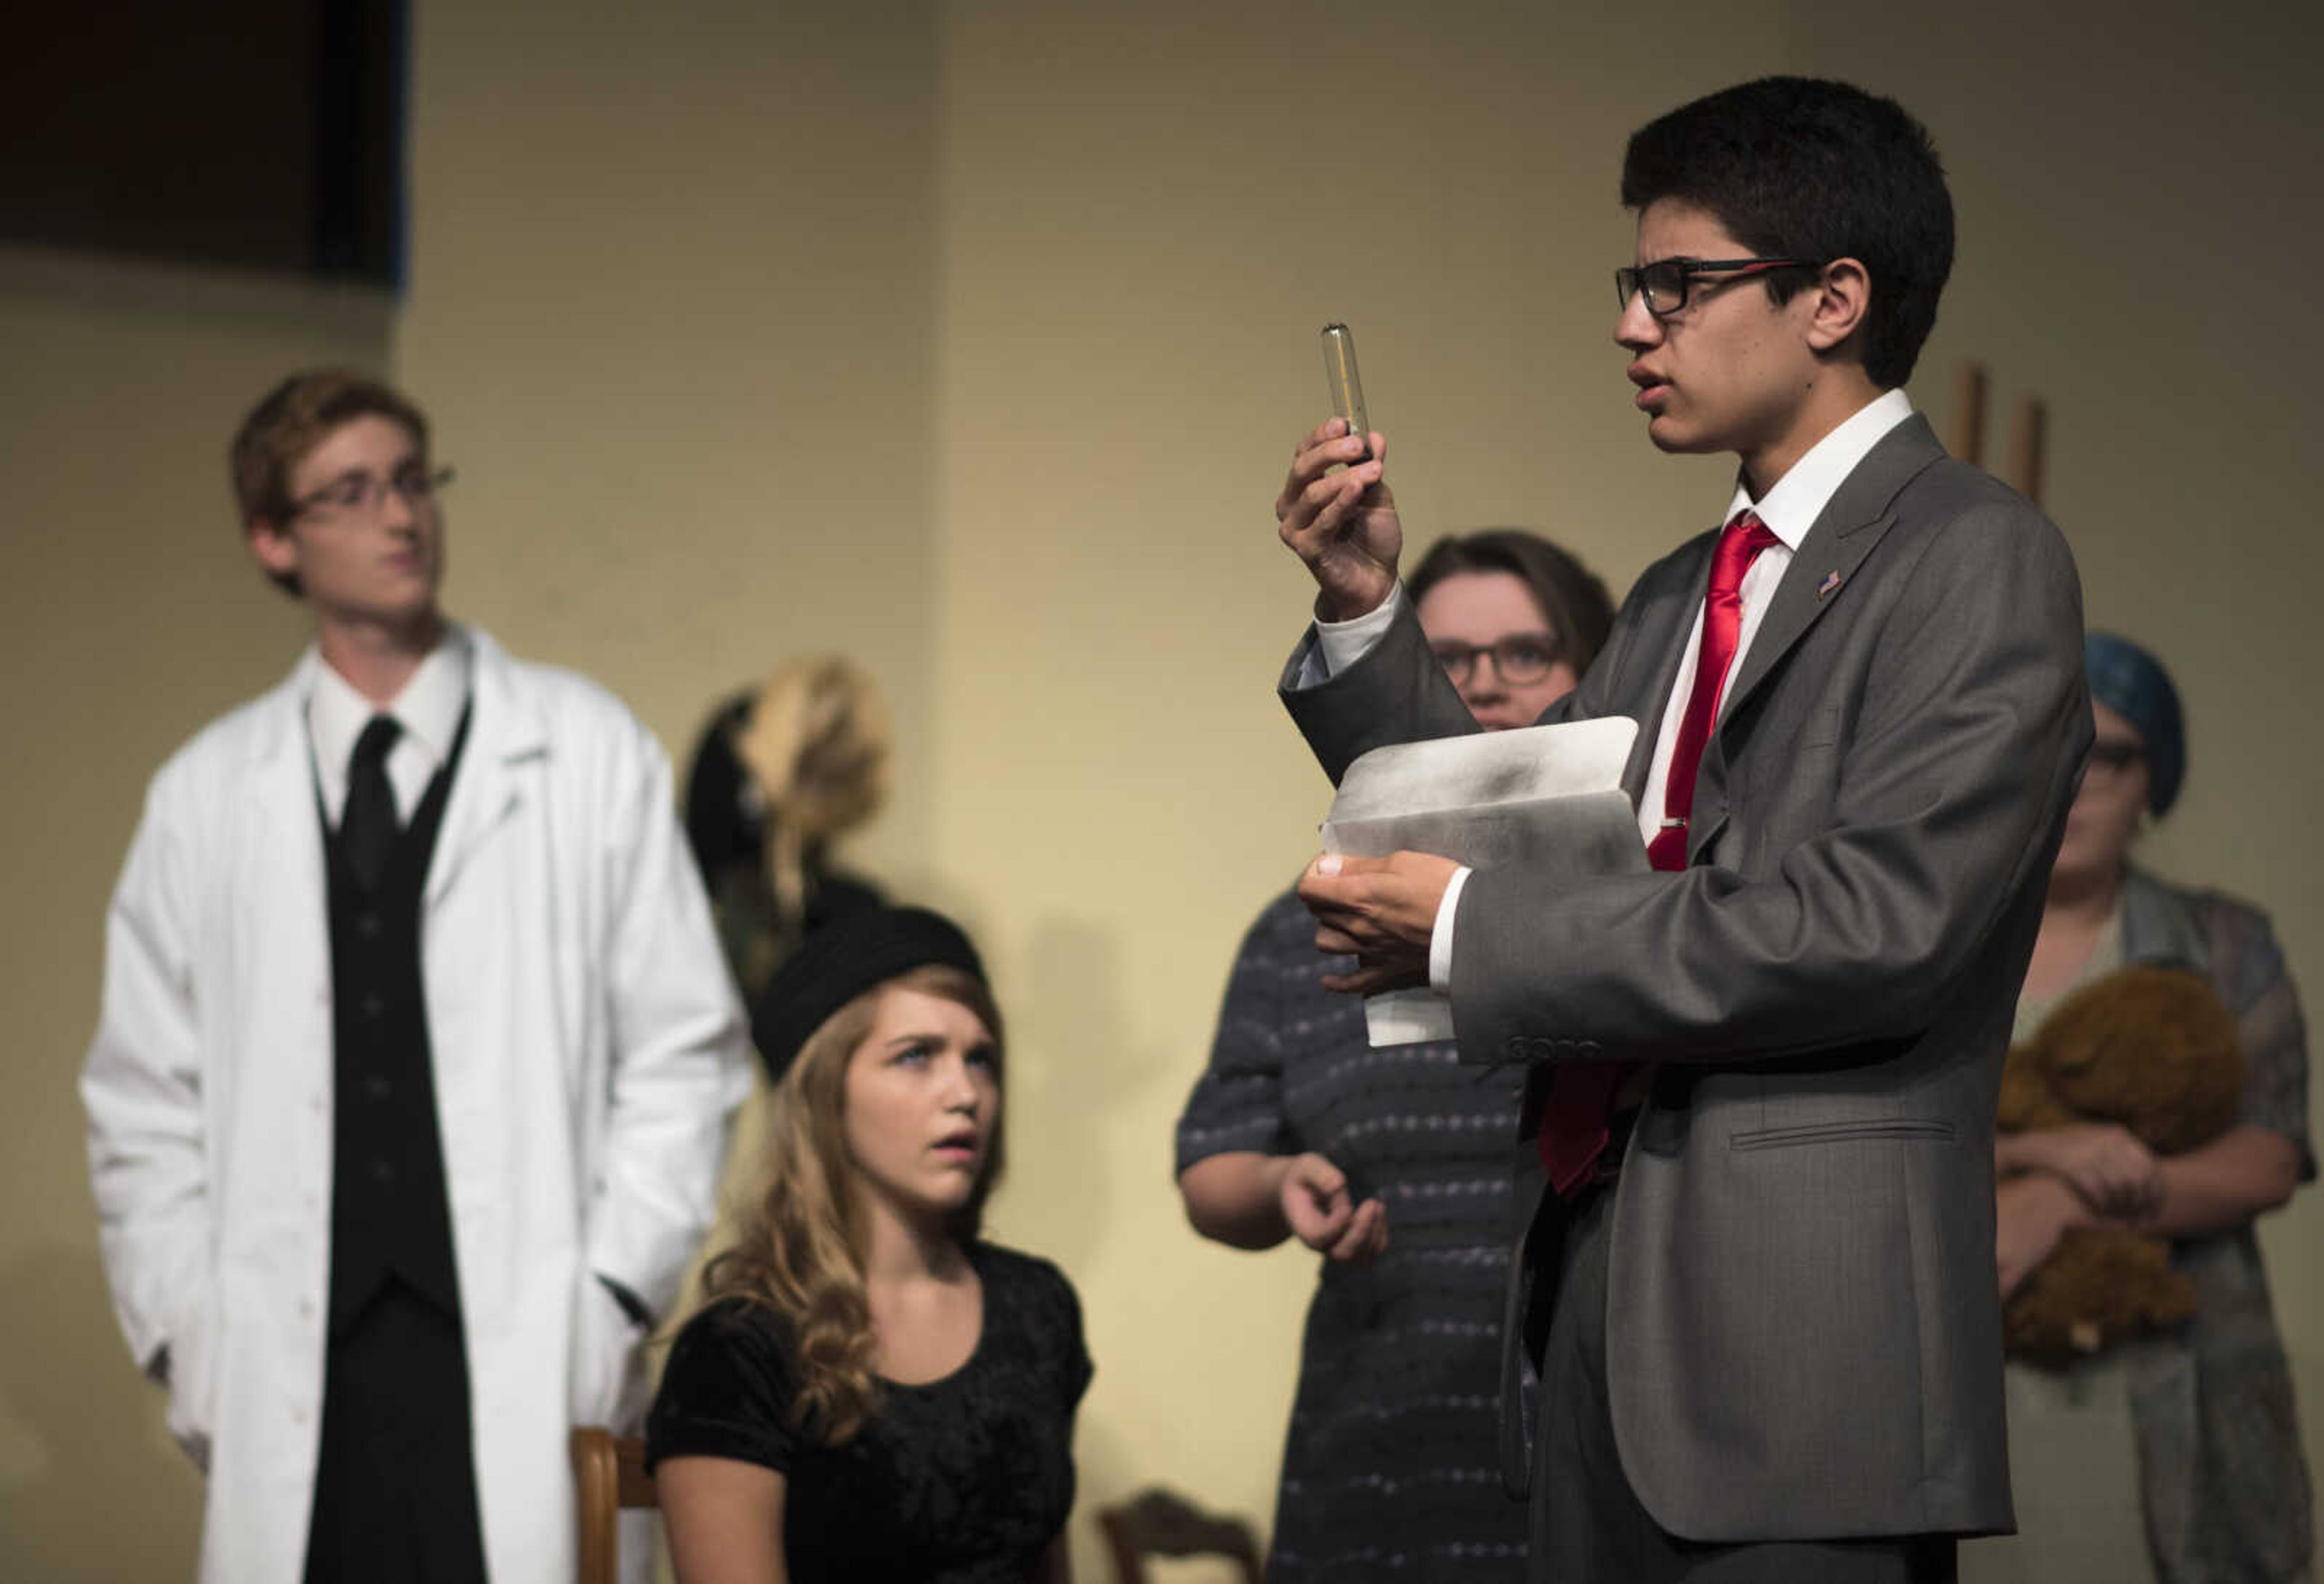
pixel 1393 1164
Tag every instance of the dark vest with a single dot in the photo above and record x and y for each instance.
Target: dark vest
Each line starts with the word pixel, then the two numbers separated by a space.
pixel 390 1213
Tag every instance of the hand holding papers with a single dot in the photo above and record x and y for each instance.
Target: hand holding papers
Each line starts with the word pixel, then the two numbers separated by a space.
pixel 1497 797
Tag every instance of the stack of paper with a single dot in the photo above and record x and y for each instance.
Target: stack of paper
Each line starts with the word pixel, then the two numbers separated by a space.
pixel 1493 799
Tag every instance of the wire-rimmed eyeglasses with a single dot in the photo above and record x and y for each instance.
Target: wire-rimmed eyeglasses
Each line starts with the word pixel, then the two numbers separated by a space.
pixel 355 492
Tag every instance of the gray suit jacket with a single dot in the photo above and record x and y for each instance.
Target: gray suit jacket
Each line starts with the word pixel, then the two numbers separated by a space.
pixel 1803 1328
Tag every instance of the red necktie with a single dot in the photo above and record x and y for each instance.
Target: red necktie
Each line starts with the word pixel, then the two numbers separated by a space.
pixel 1573 1132
pixel 1739 544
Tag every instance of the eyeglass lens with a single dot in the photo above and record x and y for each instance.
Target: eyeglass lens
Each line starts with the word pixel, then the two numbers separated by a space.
pixel 1520 657
pixel 1664 283
pixel 358 490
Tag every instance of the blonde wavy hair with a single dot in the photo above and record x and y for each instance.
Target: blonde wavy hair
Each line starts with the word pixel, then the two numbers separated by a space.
pixel 800 1248
pixel 816 743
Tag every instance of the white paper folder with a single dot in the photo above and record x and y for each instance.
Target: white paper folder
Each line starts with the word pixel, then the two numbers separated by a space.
pixel 1493 799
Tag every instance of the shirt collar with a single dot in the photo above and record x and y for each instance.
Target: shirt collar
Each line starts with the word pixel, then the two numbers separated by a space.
pixel 428 708
pixel 1801 495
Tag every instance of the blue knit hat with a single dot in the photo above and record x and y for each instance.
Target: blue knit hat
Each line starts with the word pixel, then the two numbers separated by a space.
pixel 2133 684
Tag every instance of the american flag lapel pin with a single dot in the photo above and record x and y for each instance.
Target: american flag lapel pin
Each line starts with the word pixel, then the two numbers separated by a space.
pixel 1831 581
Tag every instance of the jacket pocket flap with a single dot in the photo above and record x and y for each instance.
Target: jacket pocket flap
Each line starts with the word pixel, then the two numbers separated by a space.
pixel 1899 1128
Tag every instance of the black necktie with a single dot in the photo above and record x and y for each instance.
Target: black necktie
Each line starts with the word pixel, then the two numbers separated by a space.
pixel 368 828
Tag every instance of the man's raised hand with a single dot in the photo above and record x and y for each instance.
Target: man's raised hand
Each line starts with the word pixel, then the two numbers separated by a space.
pixel 1343 525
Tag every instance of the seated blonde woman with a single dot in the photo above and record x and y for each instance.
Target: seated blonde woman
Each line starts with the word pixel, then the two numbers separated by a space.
pixel 871 1390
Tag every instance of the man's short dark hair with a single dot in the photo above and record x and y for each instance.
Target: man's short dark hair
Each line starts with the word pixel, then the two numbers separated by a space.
pixel 1797 167
pixel 293 419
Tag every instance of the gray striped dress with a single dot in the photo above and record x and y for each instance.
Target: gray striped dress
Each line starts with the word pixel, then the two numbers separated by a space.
pixel 1389 1469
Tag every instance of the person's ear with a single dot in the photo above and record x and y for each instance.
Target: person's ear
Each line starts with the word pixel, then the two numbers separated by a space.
pixel 1838 300
pixel 273 546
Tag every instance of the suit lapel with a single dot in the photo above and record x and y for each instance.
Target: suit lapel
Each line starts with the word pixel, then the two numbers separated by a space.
pixel 1853 522
pixel 504 733
pixel 1663 635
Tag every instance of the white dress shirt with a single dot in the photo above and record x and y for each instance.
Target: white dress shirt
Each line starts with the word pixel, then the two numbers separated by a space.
pixel 427 709
pixel 1789 511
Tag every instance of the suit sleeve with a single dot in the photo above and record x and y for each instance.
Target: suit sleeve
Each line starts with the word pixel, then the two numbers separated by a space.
pixel 142 1087
pixel 679 1061
pixel 1398 691
pixel 1970 725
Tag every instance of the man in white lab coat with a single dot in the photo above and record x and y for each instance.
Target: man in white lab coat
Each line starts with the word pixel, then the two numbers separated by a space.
pixel 417 1054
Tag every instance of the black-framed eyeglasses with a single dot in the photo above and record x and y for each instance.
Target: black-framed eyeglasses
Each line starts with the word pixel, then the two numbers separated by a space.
pixel 1665 280
pixel 2112 756
pixel 1520 657
pixel 356 492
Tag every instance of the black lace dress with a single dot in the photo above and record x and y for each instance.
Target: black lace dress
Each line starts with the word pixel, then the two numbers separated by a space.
pixel 970 1478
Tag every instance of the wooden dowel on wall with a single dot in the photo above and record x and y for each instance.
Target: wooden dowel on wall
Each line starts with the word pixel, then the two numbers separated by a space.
pixel 1968 414
pixel 2030 440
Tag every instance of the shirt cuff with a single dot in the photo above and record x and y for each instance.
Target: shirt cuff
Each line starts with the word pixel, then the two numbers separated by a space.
pixel 1341 644
pixel 1440 935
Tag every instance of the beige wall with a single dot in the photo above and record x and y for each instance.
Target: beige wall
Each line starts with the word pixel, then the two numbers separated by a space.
pixel 133 616
pixel 974 338
pixel 673 287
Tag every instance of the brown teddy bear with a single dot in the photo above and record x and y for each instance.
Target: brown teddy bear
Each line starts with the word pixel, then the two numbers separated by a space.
pixel 2153 1050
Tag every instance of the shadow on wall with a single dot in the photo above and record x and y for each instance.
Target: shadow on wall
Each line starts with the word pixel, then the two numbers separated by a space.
pixel 114 1498
pixel 1068 1008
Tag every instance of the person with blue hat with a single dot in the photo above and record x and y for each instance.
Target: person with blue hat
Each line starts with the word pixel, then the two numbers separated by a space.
pixel 874 1391
pixel 2174 1456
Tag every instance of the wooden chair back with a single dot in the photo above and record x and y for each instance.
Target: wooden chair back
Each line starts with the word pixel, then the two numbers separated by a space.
pixel 609 1474
pixel 1161 1523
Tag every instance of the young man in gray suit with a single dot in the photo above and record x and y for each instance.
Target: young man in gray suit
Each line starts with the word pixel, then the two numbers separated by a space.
pixel 1756 1301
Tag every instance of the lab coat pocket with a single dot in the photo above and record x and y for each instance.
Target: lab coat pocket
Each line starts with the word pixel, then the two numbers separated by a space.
pixel 192 1373
pixel 608 1366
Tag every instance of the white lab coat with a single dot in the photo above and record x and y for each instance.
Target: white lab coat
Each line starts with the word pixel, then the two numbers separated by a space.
pixel 588 1054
